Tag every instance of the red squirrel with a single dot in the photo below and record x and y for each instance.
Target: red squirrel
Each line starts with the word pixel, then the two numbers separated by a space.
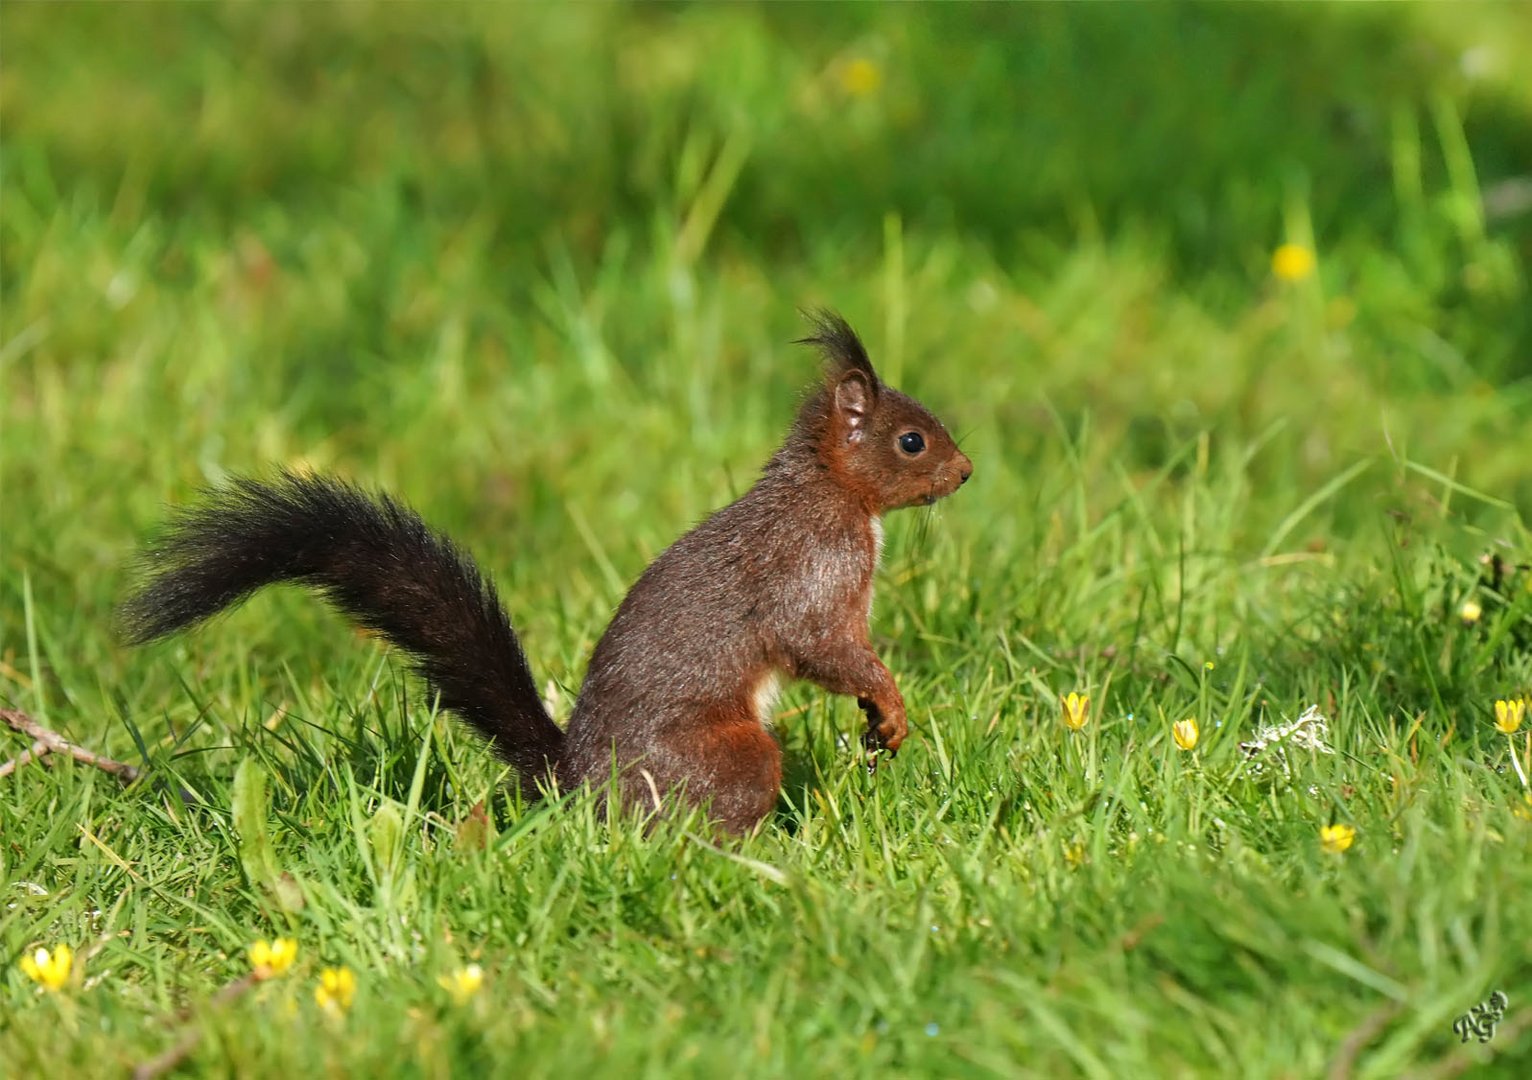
pixel 679 691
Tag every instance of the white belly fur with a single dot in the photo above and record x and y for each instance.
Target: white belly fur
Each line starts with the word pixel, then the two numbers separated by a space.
pixel 763 698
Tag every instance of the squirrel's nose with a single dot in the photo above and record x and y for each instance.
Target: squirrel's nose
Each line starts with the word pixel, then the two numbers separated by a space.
pixel 964 468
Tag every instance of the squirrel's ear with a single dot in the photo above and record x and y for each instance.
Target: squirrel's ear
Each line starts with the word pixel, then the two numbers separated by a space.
pixel 841 347
pixel 853 403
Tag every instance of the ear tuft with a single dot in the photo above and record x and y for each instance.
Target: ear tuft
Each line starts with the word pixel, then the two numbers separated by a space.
pixel 842 349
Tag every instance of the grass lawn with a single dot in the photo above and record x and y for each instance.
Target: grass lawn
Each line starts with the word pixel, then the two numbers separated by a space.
pixel 535 270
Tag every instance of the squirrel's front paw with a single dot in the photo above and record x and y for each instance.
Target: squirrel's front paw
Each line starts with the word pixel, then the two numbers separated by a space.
pixel 886 728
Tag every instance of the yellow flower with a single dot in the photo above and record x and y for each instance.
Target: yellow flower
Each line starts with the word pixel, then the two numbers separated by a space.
pixel 337 986
pixel 860 77
pixel 1076 710
pixel 1292 262
pixel 1509 715
pixel 1524 811
pixel 1185 733
pixel 51 969
pixel 272 958
pixel 1336 838
pixel 1470 611
pixel 463 983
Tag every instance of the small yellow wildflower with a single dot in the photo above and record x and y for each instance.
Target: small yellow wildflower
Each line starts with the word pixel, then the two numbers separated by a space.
pixel 1336 838
pixel 1076 710
pixel 860 77
pixel 1524 811
pixel 1185 733
pixel 273 958
pixel 1292 262
pixel 51 969
pixel 1470 612
pixel 337 986
pixel 1509 715
pixel 463 983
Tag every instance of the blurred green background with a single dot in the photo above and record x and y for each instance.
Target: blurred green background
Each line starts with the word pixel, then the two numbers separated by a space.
pixel 354 179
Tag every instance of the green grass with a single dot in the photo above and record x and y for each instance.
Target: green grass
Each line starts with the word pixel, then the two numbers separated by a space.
pixel 534 269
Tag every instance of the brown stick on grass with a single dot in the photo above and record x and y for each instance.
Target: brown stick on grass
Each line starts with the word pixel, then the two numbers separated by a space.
pixel 46 741
pixel 38 751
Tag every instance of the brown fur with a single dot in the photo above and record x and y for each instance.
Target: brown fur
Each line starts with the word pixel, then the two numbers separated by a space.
pixel 778 583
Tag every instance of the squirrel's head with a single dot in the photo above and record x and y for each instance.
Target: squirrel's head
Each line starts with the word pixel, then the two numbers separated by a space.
pixel 883 445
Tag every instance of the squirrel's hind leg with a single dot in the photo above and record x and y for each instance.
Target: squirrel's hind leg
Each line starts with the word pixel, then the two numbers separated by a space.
pixel 725 759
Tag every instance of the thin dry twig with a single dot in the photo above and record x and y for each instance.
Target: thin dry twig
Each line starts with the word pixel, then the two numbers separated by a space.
pixel 52 742
pixel 38 751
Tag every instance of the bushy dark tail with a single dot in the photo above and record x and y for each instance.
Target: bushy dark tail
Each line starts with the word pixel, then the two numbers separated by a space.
pixel 376 561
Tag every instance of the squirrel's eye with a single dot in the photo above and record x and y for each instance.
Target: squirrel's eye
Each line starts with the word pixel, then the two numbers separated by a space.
pixel 911 442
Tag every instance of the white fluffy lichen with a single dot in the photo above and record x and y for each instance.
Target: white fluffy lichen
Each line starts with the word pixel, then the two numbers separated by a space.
pixel 1272 742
